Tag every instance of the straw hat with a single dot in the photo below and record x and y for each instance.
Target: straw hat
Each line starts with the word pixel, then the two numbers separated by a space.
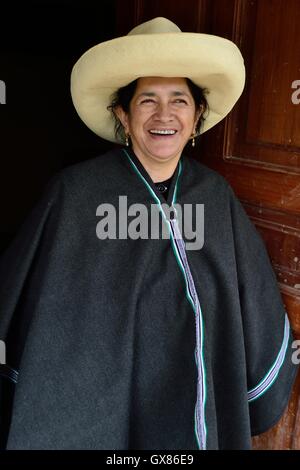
pixel 156 48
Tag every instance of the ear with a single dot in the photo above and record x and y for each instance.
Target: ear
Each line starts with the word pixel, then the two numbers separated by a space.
pixel 123 117
pixel 198 114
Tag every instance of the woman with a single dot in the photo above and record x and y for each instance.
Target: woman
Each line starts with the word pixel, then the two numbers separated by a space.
pixel 163 116
pixel 122 337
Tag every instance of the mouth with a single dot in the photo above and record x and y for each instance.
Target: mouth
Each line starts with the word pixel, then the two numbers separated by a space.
pixel 162 133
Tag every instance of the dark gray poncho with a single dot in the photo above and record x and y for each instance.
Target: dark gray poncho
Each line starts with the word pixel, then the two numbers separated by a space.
pixel 139 343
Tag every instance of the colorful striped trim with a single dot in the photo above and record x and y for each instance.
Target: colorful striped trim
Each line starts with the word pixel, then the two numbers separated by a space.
pixel 181 258
pixel 272 374
pixel 180 253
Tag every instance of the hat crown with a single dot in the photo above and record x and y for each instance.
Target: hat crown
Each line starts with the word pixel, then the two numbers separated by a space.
pixel 156 26
pixel 156 48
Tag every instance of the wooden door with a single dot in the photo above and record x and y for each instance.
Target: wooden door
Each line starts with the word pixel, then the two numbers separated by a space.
pixel 257 147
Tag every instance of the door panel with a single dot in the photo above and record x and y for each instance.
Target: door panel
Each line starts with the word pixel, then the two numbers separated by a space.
pixel 257 147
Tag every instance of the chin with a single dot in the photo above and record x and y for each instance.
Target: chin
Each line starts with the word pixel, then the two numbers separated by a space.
pixel 165 154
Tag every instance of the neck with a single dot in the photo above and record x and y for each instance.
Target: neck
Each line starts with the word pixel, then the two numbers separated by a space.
pixel 158 170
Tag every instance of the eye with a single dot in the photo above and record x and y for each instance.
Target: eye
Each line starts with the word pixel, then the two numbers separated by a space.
pixel 180 101
pixel 147 100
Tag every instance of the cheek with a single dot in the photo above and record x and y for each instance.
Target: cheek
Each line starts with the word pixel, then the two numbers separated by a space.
pixel 134 128
pixel 136 123
pixel 188 120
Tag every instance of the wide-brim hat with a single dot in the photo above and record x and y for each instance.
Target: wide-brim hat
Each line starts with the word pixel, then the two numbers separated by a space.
pixel 156 48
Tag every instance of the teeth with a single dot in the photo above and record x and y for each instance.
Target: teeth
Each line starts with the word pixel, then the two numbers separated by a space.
pixel 162 131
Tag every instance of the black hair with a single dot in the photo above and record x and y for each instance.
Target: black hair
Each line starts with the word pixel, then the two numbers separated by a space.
pixel 123 96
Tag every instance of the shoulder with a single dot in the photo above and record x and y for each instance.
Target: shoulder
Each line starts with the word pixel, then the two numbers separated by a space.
pixel 206 180
pixel 80 183
pixel 95 168
pixel 89 175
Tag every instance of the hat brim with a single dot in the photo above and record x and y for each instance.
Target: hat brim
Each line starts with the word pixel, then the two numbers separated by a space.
pixel 211 62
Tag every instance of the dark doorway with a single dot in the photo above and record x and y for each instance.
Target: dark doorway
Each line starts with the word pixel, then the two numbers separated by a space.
pixel 40 131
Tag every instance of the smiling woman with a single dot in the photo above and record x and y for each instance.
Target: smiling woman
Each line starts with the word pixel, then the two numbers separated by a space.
pixel 160 115
pixel 140 341
pixel 123 96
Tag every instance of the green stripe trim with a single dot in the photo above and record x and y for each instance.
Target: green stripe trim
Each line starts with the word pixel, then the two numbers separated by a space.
pixel 175 250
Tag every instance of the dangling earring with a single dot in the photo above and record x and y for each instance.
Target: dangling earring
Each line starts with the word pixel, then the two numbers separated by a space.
pixel 193 140
pixel 127 140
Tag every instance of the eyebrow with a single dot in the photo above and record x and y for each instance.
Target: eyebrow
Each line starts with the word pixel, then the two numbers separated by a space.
pixel 173 93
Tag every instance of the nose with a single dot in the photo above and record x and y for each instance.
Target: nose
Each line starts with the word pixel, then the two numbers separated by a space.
pixel 163 112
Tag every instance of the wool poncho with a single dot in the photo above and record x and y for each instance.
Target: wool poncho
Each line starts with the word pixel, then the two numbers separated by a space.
pixel 139 342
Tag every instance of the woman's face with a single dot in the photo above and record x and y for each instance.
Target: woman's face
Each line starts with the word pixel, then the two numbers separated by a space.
pixel 161 118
